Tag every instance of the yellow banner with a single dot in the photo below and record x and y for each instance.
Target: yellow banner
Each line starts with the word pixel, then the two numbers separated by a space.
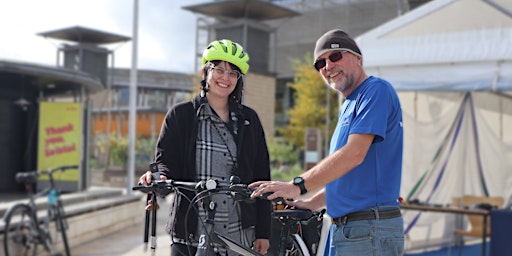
pixel 59 144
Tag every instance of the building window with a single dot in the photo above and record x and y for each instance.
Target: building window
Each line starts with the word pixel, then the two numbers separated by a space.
pixel 123 97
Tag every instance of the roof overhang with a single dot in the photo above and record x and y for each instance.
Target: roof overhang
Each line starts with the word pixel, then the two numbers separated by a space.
pixel 85 35
pixel 52 80
pixel 242 9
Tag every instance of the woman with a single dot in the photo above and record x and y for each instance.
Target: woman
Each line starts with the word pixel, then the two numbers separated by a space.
pixel 215 136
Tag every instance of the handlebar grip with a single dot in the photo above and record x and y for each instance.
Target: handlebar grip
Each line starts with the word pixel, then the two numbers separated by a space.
pixel 144 189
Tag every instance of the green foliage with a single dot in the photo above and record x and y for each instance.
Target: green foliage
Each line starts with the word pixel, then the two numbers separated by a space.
pixel 295 170
pixel 310 103
pixel 118 147
pixel 144 152
pixel 281 152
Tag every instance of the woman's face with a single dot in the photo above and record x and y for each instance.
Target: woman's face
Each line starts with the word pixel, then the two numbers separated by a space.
pixel 222 80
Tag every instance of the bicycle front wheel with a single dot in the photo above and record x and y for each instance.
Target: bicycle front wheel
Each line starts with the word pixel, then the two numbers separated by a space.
pixel 61 224
pixel 296 247
pixel 20 232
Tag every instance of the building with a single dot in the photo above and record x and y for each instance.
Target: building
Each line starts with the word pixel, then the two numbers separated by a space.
pixel 157 91
pixel 282 30
pixel 23 86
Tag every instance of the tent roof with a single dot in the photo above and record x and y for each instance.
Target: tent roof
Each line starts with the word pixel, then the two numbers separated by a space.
pixel 444 45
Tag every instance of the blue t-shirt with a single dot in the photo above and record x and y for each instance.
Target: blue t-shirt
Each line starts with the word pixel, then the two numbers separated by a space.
pixel 372 108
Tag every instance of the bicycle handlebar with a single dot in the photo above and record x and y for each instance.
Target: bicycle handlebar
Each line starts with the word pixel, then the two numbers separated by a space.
pixel 31 177
pixel 164 187
pixel 240 192
pixel 60 168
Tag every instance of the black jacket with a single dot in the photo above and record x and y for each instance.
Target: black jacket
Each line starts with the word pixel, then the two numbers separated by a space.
pixel 175 155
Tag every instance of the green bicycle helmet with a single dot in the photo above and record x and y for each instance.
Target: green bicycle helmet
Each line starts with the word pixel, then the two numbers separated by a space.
pixel 229 51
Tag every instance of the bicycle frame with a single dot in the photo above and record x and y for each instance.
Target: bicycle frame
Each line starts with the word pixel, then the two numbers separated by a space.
pixel 208 235
pixel 39 230
pixel 32 208
pixel 51 209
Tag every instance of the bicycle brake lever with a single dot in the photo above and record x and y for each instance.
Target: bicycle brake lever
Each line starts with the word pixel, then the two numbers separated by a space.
pixel 275 200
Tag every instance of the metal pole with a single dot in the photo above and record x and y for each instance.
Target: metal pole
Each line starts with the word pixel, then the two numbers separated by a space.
pixel 133 102
pixel 327 122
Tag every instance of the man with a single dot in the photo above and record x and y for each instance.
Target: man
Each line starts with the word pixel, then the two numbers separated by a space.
pixel 362 173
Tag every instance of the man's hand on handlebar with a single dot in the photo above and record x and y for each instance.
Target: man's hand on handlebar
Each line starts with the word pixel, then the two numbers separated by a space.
pixel 276 188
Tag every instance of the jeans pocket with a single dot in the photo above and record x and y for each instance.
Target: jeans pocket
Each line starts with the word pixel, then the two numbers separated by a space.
pixel 353 240
pixel 355 233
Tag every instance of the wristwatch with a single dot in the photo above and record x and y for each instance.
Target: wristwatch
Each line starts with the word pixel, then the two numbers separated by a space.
pixel 299 181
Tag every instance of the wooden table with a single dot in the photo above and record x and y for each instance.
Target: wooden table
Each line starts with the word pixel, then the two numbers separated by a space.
pixel 458 210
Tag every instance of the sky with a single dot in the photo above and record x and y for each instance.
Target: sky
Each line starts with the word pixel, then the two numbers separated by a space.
pixel 166 32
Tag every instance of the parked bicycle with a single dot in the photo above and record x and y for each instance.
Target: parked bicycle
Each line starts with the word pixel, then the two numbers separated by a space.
pixel 25 231
pixel 209 239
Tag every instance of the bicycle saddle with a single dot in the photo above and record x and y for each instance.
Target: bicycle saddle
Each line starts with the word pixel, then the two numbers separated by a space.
pixel 27 177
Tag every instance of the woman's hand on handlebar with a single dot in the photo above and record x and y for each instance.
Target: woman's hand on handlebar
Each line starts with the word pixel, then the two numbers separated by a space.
pixel 146 178
pixel 261 245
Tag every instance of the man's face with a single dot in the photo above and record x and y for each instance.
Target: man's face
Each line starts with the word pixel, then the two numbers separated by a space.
pixel 338 69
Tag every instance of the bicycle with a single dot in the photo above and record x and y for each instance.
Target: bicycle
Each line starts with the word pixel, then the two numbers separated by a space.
pixel 24 229
pixel 209 239
pixel 292 241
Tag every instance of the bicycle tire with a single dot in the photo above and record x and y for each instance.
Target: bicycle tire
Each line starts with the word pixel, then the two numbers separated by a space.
pixel 294 249
pixel 61 225
pixel 21 236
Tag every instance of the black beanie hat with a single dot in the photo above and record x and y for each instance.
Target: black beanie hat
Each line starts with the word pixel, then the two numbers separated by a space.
pixel 335 39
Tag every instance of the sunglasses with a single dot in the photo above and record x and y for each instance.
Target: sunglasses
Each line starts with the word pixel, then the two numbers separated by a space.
pixel 335 56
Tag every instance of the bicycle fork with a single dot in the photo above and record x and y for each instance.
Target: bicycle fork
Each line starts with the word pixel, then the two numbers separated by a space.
pixel 203 245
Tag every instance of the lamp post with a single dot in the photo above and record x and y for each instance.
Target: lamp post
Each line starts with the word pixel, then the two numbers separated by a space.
pixel 133 101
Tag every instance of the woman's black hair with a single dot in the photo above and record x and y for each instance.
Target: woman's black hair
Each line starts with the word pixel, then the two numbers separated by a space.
pixel 237 94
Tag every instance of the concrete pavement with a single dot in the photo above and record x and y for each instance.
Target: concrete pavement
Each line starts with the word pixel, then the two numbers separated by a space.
pixel 129 241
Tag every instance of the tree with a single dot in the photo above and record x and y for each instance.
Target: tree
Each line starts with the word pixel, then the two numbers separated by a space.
pixel 310 103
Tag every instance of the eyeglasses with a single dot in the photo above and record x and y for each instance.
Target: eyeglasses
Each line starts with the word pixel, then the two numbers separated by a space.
pixel 220 71
pixel 335 56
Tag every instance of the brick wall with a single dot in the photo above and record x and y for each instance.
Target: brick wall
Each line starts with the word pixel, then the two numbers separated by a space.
pixel 259 94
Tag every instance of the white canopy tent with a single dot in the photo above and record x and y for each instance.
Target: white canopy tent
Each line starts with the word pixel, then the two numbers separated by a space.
pixel 451 62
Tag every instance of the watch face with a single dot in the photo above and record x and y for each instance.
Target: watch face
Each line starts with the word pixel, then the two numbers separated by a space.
pixel 299 181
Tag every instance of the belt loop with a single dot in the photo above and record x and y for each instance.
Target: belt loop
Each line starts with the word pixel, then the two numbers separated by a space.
pixel 344 220
pixel 376 211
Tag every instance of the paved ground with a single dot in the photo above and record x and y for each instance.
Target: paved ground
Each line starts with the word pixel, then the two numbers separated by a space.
pixel 128 242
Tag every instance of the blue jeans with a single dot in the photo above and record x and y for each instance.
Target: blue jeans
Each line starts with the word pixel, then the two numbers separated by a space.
pixel 381 237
